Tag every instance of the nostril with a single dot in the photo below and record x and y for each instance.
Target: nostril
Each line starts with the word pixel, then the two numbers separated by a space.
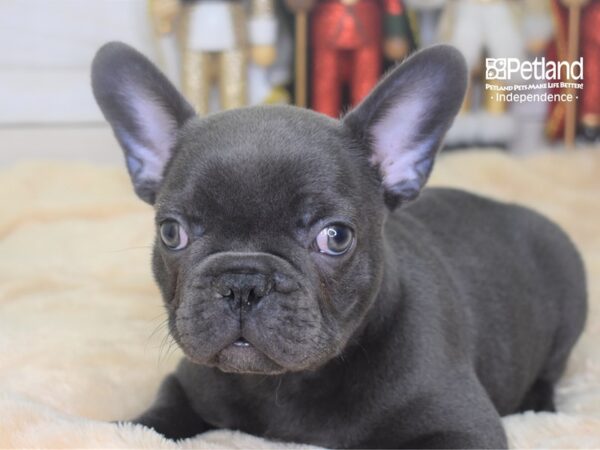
pixel 252 297
pixel 243 289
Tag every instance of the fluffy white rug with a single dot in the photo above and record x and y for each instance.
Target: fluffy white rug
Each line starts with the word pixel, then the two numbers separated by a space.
pixel 80 317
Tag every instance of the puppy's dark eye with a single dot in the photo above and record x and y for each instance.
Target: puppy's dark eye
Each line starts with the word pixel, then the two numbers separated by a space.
pixel 334 239
pixel 173 235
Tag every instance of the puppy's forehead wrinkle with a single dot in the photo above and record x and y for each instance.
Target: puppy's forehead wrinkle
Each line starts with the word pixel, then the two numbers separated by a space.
pixel 244 167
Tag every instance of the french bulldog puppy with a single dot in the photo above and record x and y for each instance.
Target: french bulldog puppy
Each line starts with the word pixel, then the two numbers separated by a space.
pixel 315 298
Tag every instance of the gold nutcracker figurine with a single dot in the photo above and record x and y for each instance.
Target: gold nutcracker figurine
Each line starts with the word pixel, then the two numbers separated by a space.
pixel 478 28
pixel 215 37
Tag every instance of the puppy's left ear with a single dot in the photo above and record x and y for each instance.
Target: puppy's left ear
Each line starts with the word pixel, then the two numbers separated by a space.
pixel 143 108
pixel 404 120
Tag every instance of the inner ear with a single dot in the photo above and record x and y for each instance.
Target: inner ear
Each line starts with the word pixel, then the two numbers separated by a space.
pixel 401 146
pixel 143 108
pixel 405 118
pixel 150 143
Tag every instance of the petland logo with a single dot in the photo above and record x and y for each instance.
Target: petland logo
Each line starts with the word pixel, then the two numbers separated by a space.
pixel 539 69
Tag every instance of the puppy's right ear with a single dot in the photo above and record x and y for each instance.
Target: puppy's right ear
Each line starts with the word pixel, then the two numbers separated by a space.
pixel 144 110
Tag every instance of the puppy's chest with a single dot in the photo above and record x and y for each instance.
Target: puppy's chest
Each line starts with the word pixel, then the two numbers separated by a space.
pixel 280 414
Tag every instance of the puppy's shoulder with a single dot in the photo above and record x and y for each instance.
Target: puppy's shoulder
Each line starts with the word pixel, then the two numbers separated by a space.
pixel 457 215
pixel 444 203
pixel 447 203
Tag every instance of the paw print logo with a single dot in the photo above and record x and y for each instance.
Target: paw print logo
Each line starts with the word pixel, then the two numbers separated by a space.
pixel 495 68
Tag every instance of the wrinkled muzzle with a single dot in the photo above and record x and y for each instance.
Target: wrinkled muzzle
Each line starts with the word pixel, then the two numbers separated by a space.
pixel 250 312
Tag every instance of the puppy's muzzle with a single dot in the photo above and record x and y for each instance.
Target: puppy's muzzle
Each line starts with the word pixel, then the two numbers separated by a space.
pixel 237 309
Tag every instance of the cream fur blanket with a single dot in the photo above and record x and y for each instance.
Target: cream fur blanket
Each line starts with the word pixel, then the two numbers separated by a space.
pixel 80 317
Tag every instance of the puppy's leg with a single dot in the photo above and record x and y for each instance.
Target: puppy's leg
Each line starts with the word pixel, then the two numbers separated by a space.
pixel 171 414
pixel 463 416
pixel 458 415
pixel 540 397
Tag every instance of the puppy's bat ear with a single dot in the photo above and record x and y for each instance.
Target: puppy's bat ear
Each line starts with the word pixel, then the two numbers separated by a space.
pixel 143 108
pixel 404 119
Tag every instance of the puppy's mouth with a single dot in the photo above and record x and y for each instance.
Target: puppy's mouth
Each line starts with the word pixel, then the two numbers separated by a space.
pixel 242 356
pixel 241 342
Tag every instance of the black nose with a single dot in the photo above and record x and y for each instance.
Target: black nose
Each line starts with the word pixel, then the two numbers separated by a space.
pixel 243 290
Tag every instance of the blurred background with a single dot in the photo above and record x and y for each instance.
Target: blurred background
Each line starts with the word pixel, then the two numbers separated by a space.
pixel 324 54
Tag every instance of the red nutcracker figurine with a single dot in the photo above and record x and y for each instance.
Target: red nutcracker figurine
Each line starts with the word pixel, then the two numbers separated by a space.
pixel 588 106
pixel 346 40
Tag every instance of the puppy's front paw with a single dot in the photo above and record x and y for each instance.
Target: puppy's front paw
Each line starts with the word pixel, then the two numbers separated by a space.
pixel 171 428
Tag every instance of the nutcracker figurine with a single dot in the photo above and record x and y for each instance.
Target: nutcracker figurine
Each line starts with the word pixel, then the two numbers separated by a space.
pixel 530 117
pixel 481 28
pixel 588 103
pixel 214 36
pixel 267 85
pixel 426 18
pixel 345 38
pixel 478 28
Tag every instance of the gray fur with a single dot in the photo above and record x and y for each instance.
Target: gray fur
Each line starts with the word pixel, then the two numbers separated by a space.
pixel 445 314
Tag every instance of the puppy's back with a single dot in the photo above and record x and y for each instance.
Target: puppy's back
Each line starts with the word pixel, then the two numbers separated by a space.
pixel 518 274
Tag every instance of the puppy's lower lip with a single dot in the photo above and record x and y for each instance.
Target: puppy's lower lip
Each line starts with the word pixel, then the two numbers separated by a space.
pixel 241 342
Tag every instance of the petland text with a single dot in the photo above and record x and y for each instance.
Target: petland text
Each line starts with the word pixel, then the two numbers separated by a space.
pixel 538 69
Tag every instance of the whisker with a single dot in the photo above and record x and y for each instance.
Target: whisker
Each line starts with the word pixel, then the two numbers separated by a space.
pixel 160 327
pixel 165 344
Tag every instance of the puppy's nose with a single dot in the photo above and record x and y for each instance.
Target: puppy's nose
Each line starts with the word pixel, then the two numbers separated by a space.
pixel 243 290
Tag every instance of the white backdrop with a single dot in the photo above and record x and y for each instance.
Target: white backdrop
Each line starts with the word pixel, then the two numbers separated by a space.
pixel 46 47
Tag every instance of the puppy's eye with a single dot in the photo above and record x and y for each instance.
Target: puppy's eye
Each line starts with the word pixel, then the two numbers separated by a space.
pixel 173 235
pixel 334 239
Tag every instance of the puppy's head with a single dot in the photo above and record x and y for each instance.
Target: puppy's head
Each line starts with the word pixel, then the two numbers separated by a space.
pixel 269 219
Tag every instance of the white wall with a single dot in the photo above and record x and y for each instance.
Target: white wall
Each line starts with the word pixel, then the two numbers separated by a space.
pixel 46 47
